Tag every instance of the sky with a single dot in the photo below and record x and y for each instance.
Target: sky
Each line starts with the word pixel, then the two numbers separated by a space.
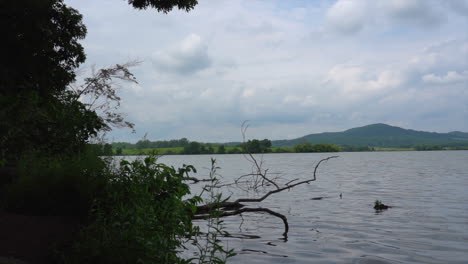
pixel 291 68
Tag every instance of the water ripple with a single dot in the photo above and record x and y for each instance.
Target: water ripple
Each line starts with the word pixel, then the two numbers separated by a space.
pixel 428 223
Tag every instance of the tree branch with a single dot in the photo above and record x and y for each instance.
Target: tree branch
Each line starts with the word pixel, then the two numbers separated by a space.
pixel 237 205
pixel 249 210
pixel 196 180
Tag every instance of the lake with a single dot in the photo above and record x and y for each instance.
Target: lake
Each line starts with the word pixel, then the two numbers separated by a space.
pixel 428 222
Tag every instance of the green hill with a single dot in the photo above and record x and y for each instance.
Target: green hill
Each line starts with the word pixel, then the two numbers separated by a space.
pixel 381 135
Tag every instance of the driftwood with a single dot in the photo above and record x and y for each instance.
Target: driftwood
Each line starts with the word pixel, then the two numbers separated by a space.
pixel 380 206
pixel 259 178
pixel 237 203
pixel 196 180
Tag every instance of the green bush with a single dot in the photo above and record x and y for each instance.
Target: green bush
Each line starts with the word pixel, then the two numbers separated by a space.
pixel 141 217
pixel 322 147
pixel 47 185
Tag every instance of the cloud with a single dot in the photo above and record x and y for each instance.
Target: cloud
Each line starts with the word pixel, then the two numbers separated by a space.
pixel 420 12
pixel 459 6
pixel 347 16
pixel 189 57
pixel 449 77
pixel 292 67
pixel 358 83
pixel 352 16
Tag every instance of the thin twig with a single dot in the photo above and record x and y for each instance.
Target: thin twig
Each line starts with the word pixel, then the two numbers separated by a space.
pixel 253 210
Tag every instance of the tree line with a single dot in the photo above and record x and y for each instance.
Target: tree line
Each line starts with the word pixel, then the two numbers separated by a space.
pixel 185 147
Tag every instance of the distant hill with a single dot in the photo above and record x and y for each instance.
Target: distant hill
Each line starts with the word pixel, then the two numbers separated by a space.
pixel 380 135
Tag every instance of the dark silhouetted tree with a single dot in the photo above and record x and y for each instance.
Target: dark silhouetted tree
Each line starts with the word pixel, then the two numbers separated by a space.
pixel 192 148
pixel 164 5
pixel 40 53
pixel 256 146
pixel 221 149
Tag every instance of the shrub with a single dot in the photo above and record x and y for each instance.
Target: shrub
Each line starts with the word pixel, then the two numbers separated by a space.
pixel 141 217
pixel 52 185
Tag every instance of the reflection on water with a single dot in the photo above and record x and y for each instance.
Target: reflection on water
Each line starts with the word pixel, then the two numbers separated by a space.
pixel 428 223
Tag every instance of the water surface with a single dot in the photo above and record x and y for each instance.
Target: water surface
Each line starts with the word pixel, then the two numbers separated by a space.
pixel 428 223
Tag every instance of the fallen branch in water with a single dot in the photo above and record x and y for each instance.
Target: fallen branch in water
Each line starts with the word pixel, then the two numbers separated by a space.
pixel 246 210
pixel 196 180
pixel 237 207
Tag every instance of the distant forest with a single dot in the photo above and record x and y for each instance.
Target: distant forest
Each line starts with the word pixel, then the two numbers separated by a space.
pixel 376 137
pixel 186 147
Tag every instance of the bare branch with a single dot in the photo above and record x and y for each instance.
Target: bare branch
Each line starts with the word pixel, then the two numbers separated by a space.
pixel 257 178
pixel 246 210
pixel 238 203
pixel 318 164
pixel 257 167
pixel 99 93
pixel 196 180
pixel 291 181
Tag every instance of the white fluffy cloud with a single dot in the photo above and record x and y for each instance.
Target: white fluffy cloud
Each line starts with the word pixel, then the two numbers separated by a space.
pixel 355 82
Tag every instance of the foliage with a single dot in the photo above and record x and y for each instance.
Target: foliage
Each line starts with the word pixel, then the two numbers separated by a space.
pixel 160 151
pixel 221 149
pixel 377 204
pixel 145 143
pixel 210 246
pixel 137 214
pixel 256 146
pixel 118 151
pixel 41 110
pixel 101 149
pixel 98 94
pixel 307 147
pixel 198 148
pixel 47 125
pixel 348 148
pixel 192 148
pixel 141 217
pixel 51 185
pixel 428 147
pixel 164 5
pixel 42 51
pixel 41 46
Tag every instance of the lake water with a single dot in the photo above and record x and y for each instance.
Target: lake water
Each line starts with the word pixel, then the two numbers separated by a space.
pixel 427 224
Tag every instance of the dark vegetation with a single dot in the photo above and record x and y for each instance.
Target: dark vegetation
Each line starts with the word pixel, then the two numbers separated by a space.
pixel 307 147
pixel 367 138
pixel 49 170
pixel 183 146
pixel 53 166
pixel 194 147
